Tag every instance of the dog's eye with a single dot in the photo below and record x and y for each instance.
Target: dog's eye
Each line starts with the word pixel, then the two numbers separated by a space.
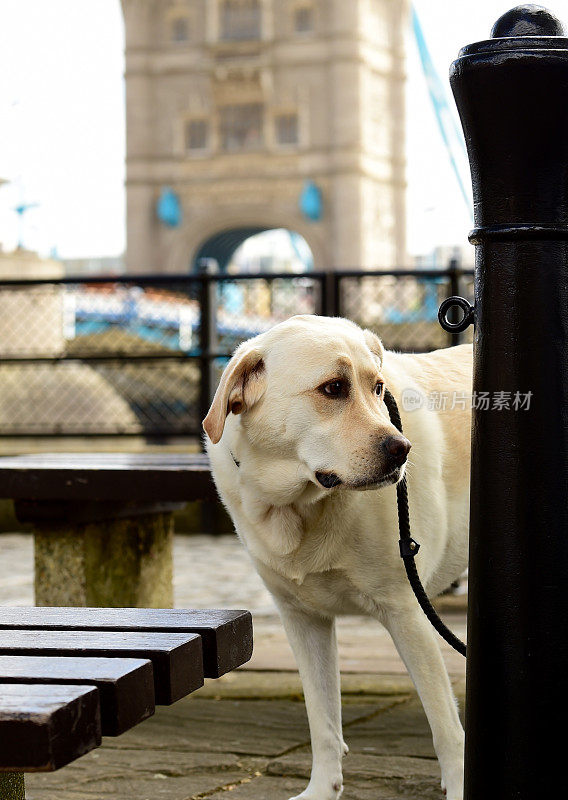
pixel 335 388
pixel 379 385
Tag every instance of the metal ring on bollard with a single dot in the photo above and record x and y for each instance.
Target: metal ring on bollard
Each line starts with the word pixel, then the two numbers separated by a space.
pixel 468 314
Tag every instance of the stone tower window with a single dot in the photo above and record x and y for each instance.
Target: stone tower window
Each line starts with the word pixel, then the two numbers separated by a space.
pixel 197 134
pixel 241 126
pixel 179 29
pixel 304 19
pixel 287 129
pixel 241 20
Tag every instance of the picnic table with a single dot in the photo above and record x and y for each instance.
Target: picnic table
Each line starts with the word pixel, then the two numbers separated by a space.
pixel 69 676
pixel 103 522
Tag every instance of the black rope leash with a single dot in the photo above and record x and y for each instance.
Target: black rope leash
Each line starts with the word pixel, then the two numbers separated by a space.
pixel 409 548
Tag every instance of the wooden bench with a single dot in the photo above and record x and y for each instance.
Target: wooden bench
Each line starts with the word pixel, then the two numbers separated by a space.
pixel 69 676
pixel 103 522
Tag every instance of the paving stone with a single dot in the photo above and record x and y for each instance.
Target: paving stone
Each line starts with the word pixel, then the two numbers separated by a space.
pixel 408 719
pixel 216 571
pixel 378 683
pixel 255 728
pixel 357 766
pixel 400 730
pixel 395 744
pixel 364 646
pixel 395 789
pixel 108 773
pixel 252 684
pixel 191 755
pixel 257 684
pixel 276 788
pixel 263 788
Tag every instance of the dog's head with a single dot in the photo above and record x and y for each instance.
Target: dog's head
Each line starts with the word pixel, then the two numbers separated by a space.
pixel 310 393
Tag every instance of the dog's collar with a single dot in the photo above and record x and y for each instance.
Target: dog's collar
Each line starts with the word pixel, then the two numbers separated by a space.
pixel 238 463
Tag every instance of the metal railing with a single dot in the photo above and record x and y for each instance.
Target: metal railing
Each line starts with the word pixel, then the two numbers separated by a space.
pixel 142 354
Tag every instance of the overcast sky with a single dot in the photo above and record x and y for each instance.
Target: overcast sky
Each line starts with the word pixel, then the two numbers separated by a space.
pixel 62 123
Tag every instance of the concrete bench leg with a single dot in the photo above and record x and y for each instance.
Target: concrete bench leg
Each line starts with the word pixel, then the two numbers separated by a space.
pixel 105 555
pixel 12 786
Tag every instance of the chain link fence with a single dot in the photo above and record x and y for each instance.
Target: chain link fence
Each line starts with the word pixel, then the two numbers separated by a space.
pixel 142 355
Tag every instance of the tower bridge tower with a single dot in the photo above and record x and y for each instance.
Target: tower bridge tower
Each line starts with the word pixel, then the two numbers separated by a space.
pixel 235 108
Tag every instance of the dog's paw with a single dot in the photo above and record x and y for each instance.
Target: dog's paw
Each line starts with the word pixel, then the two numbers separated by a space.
pixel 344 748
pixel 455 794
pixel 328 792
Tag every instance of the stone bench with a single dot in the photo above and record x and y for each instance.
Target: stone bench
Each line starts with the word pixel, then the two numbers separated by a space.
pixel 69 676
pixel 103 522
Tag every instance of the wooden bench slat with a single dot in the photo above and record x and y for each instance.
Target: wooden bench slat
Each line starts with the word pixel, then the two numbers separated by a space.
pixel 150 477
pixel 126 685
pixel 227 635
pixel 44 727
pixel 177 658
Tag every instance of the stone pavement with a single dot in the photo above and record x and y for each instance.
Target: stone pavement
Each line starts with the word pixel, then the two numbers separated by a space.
pixel 247 732
pixel 249 736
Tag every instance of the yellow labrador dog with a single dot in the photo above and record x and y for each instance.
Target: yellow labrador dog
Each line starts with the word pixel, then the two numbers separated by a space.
pixel 306 460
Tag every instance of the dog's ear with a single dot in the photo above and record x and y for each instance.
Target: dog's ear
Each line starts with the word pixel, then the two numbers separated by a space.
pixel 242 385
pixel 374 344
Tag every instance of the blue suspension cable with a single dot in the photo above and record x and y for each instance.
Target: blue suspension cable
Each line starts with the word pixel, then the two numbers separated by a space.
pixel 446 122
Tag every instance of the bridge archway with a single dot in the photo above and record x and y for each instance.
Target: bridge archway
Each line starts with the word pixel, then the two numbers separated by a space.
pixel 221 246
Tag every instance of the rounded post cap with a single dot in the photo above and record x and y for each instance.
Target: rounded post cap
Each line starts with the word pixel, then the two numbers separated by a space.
pixel 527 20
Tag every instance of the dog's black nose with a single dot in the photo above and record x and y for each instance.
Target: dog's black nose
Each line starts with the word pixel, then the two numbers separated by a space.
pixel 396 449
pixel 328 479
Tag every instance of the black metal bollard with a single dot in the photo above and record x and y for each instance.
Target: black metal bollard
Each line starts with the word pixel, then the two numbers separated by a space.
pixel 512 95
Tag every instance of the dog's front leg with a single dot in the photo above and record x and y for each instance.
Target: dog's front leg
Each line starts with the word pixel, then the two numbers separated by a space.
pixel 314 643
pixel 416 643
